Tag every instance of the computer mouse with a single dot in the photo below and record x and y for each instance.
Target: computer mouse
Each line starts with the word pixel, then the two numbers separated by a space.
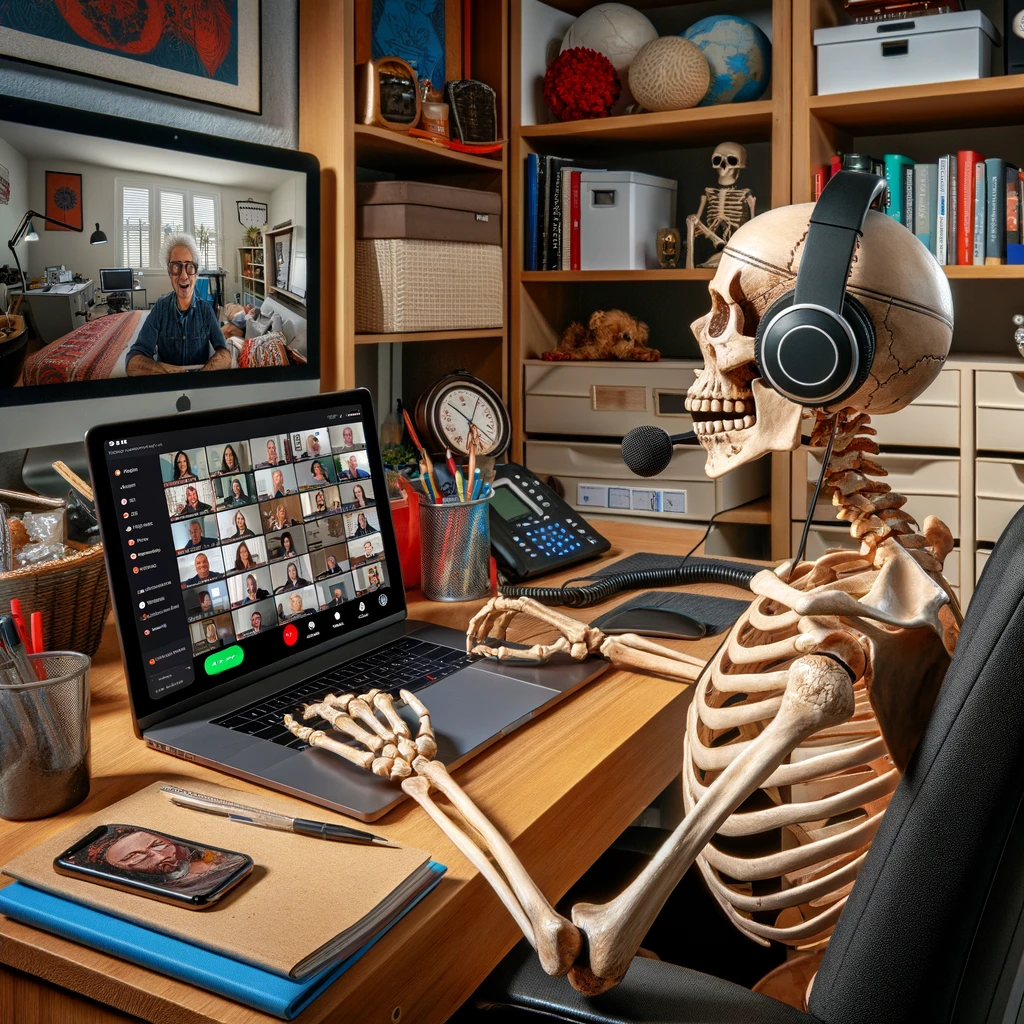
pixel 654 620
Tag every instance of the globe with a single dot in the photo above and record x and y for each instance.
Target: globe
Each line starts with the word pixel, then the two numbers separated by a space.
pixel 739 55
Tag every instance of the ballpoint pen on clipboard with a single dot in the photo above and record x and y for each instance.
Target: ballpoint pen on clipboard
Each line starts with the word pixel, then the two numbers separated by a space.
pixel 271 819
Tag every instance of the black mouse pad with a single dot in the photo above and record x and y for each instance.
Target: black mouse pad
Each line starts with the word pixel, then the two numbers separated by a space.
pixel 717 613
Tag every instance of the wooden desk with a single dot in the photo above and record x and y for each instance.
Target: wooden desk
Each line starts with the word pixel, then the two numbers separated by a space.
pixel 559 789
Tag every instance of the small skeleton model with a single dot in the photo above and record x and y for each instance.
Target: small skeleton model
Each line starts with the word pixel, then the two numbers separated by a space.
pixel 1018 332
pixel 722 210
pixel 820 693
pixel 669 242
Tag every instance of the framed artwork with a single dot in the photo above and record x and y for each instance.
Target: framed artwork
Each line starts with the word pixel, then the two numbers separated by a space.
pixel 424 33
pixel 64 200
pixel 5 186
pixel 206 50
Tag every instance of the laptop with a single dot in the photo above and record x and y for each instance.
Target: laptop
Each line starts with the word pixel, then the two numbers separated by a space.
pixel 254 570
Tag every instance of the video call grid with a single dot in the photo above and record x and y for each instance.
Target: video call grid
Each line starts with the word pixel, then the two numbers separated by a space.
pixel 300 525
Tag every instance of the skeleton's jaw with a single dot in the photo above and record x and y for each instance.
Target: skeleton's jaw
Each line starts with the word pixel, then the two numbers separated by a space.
pixel 768 423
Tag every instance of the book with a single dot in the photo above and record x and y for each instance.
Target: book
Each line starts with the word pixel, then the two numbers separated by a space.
pixel 550 226
pixel 952 211
pixel 926 178
pixel 980 216
pixel 575 190
pixel 966 160
pixel 995 198
pixel 908 197
pixel 564 261
pixel 269 993
pixel 818 179
pixel 365 893
pixel 532 166
pixel 542 178
pixel 1013 235
pixel 893 164
pixel 942 210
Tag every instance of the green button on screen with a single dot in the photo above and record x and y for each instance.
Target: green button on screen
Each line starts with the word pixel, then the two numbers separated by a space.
pixel 230 657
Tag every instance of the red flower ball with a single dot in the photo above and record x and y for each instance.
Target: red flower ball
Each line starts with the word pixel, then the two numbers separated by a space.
pixel 580 83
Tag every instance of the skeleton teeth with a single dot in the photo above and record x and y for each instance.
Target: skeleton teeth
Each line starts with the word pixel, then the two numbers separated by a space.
pixel 727 405
pixel 686 404
pixel 718 426
pixel 716 405
pixel 705 405
pixel 740 406
pixel 748 421
pixel 729 424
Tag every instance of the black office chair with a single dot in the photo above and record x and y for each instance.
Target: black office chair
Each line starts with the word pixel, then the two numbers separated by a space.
pixel 933 930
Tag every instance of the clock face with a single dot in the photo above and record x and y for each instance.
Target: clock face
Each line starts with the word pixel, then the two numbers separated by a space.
pixel 460 407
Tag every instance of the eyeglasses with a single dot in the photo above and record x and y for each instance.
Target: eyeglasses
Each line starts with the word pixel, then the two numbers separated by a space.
pixel 190 268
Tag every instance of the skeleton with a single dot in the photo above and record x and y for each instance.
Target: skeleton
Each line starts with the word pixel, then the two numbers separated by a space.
pixel 819 694
pixel 722 210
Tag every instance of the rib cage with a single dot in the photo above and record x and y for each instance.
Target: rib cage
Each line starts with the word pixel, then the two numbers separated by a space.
pixel 821 810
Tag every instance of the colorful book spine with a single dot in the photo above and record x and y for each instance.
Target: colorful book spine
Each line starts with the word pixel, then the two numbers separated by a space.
pixel 995 235
pixel 542 178
pixel 531 211
pixel 566 218
pixel 952 211
pixel 908 197
pixel 1013 234
pixel 942 210
pixel 980 215
pixel 575 190
pixel 926 177
pixel 818 178
pixel 966 159
pixel 894 164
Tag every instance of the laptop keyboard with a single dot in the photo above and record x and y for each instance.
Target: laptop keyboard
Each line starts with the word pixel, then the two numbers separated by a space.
pixel 406 664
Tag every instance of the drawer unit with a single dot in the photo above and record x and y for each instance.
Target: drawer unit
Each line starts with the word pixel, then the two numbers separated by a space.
pixel 931 484
pixel 999 397
pixel 932 420
pixel 826 538
pixel 593 476
pixel 1000 493
pixel 606 398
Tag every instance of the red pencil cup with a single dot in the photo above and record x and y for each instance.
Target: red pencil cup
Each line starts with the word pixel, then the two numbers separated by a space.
pixel 405 513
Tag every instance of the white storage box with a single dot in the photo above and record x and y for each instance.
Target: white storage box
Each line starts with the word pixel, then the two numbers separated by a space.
pixel 913 51
pixel 620 214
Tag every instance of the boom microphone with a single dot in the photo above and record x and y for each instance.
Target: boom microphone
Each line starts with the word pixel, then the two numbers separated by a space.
pixel 647 450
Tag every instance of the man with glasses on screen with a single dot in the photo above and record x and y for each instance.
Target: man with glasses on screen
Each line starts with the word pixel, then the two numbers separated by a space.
pixel 180 328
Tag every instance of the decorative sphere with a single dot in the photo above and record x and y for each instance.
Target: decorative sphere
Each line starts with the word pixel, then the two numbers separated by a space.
pixel 615 30
pixel 669 73
pixel 739 55
pixel 580 83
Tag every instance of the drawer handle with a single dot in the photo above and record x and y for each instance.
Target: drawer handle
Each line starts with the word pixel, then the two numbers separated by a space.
pixel 607 398
pixel 896 48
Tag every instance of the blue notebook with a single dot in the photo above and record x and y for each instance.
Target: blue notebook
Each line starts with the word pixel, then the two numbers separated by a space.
pixel 269 993
pixel 532 213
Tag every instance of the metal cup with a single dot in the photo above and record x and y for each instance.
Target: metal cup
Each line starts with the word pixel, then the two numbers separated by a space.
pixel 45 738
pixel 455 550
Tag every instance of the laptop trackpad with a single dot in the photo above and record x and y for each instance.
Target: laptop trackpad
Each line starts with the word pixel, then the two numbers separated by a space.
pixel 472 706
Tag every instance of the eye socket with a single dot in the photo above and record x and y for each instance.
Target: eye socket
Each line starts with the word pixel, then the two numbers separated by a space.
pixel 716 160
pixel 732 161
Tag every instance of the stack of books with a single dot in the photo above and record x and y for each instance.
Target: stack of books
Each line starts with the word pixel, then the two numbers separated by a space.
pixel 964 207
pixel 315 905
pixel 552 213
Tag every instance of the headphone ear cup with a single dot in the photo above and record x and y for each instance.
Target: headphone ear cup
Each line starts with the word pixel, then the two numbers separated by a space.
pixel 864 331
pixel 784 301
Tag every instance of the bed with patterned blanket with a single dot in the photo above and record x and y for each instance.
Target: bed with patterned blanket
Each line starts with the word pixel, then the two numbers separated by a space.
pixel 94 351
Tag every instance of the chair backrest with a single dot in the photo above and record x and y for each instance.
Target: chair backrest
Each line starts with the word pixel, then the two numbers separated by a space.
pixel 933 927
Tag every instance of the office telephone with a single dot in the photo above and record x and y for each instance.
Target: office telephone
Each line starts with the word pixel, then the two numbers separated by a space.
pixel 533 531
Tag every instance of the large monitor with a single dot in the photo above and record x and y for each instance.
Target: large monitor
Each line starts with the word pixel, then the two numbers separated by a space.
pixel 89 192
pixel 117 279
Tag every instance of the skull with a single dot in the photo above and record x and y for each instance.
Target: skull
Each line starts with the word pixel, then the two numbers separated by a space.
pixel 739 418
pixel 728 160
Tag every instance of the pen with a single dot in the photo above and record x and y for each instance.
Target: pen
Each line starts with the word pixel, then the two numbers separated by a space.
pixel 12 643
pixel 477 484
pixel 36 626
pixel 19 622
pixel 270 819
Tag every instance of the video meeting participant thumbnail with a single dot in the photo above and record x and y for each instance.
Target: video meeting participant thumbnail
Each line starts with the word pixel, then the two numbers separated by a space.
pixel 337 592
pixel 276 483
pixel 358 495
pixel 247 588
pixel 322 533
pixel 347 437
pixel 286 544
pixel 234 490
pixel 181 330
pixel 315 473
pixel 353 466
pixel 257 618
pixel 245 556
pixel 203 568
pixel 332 561
pixel 230 459
pixel 239 524
pixel 362 524
pixel 280 513
pixel 297 603
pixel 293 574
pixel 184 466
pixel 323 502
pixel 209 599
pixel 186 500
pixel 191 535
pixel 310 444
pixel 365 550
pixel 370 578
pixel 212 634
pixel 268 452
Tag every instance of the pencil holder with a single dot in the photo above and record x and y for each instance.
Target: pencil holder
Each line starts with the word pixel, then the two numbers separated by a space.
pixel 455 550
pixel 44 739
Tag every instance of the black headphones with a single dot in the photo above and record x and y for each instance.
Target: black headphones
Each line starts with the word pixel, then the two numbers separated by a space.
pixel 815 344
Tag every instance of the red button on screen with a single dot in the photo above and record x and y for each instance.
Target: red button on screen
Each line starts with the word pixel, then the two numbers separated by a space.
pixel 291 636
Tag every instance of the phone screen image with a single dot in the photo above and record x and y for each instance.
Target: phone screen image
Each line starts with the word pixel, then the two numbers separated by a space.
pixel 151 863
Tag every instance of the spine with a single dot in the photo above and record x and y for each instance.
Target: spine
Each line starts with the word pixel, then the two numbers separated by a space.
pixel 942 213
pixel 995 236
pixel 531 211
pixel 893 164
pixel 1012 205
pixel 980 216
pixel 966 159
pixel 908 197
pixel 952 211
pixel 574 238
pixel 555 244
pixel 543 181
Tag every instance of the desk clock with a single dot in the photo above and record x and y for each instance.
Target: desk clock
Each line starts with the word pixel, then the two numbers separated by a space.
pixel 387 94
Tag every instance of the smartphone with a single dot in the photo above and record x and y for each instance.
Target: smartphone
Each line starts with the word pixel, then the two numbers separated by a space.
pixel 161 867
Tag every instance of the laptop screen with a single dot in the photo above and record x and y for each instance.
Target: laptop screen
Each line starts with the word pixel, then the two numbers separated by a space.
pixel 246 542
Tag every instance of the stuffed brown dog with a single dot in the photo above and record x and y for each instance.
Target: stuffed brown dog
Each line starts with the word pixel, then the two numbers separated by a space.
pixel 608 335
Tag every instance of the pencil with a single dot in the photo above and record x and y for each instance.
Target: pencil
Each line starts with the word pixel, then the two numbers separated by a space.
pixel 471 468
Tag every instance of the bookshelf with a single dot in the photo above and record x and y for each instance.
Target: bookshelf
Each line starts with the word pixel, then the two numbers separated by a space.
pixel 674 144
pixel 983 376
pixel 250 258
pixel 333 39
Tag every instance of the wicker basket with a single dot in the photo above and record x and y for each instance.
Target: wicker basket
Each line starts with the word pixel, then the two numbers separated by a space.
pixel 411 284
pixel 71 592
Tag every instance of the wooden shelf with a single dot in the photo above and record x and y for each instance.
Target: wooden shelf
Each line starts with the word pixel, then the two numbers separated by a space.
pixel 668 129
pixel 757 512
pixel 583 276
pixel 291 295
pixel 496 333
pixel 577 7
pixel 1005 272
pixel 975 103
pixel 388 150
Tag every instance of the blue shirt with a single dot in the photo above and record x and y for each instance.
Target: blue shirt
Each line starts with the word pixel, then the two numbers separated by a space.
pixel 181 339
